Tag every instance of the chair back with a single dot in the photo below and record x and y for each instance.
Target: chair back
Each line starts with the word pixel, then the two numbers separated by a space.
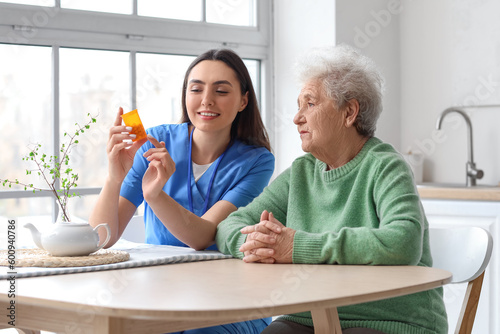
pixel 463 251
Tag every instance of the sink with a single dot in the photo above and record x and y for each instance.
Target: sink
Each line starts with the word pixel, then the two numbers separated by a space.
pixel 453 185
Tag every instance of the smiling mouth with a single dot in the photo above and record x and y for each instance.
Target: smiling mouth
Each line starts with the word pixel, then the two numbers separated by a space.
pixel 208 114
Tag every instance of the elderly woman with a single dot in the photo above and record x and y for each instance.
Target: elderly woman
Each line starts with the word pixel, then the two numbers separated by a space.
pixel 350 200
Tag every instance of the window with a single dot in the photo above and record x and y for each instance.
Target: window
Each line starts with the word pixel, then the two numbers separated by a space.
pixel 231 12
pixel 159 86
pixel 108 6
pixel 25 94
pixel 33 2
pixel 236 12
pixel 180 10
pixel 91 81
pixel 70 58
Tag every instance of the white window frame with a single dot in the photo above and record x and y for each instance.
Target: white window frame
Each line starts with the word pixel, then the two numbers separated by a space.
pixel 57 27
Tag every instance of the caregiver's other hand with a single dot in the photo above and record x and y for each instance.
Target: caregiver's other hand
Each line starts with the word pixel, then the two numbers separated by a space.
pixel 161 167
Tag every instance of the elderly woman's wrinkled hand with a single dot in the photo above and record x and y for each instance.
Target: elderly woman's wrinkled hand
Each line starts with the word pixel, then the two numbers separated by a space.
pixel 260 236
pixel 269 241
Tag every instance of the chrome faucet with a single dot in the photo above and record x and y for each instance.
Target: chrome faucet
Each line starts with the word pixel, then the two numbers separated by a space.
pixel 472 173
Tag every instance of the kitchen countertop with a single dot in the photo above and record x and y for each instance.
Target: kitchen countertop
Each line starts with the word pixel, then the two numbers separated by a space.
pixel 456 192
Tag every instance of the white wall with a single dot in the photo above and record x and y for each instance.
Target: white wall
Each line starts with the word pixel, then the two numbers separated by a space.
pixel 433 54
pixel 450 55
pixel 372 26
pixel 298 26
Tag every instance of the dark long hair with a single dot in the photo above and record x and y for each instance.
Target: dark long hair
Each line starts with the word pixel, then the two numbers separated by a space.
pixel 247 126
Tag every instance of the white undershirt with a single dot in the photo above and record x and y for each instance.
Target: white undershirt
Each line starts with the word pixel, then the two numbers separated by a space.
pixel 199 170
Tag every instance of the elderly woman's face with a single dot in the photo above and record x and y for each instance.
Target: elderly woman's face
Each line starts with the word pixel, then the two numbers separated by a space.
pixel 318 121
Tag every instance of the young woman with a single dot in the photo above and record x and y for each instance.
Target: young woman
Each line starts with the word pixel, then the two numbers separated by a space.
pixel 192 175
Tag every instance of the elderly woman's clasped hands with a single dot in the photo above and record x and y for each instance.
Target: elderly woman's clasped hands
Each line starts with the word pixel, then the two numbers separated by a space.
pixel 269 241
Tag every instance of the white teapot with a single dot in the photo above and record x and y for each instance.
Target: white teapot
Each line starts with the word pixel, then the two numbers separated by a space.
pixel 69 239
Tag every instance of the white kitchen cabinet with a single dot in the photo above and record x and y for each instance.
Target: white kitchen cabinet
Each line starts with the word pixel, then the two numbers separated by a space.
pixel 453 213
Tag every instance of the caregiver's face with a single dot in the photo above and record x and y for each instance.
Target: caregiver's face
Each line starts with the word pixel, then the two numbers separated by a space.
pixel 318 120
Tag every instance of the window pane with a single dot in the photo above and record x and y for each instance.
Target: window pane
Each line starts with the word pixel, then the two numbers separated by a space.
pixel 20 207
pixel 48 3
pixel 24 210
pixel 234 12
pixel 190 10
pixel 80 208
pixel 95 82
pixel 25 109
pixel 159 87
pixel 109 6
pixel 253 67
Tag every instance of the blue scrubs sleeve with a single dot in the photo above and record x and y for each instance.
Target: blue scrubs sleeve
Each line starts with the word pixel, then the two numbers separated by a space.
pixel 252 184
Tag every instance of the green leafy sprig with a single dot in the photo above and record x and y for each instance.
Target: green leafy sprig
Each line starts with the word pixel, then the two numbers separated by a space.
pixel 53 168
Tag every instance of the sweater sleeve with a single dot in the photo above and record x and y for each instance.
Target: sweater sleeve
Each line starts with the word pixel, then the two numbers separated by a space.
pixel 385 226
pixel 273 199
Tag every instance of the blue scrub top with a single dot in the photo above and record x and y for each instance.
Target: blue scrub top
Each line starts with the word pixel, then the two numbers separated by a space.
pixel 242 175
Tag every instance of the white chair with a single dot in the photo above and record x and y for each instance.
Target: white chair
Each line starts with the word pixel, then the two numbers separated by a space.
pixel 465 252
pixel 135 230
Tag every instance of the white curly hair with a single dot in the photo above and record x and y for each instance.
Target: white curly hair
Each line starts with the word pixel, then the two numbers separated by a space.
pixel 346 75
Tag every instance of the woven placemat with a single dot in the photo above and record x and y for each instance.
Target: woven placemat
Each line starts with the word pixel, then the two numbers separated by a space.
pixel 39 258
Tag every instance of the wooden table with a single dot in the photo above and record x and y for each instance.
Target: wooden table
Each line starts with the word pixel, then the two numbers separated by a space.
pixel 174 297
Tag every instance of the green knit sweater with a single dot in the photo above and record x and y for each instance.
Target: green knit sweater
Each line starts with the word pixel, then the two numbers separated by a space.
pixel 365 212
